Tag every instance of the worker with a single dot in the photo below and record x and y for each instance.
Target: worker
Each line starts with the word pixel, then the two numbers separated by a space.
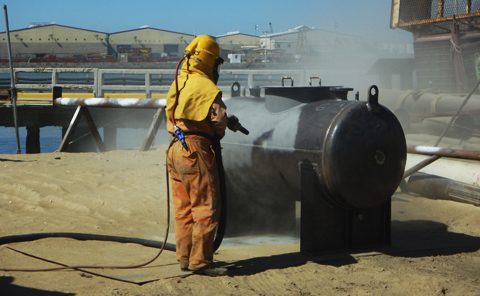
pixel 200 115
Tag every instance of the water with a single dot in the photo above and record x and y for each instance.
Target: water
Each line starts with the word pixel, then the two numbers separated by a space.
pixel 50 139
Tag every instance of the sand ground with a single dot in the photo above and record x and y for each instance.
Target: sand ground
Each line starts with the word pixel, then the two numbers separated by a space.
pixel 435 244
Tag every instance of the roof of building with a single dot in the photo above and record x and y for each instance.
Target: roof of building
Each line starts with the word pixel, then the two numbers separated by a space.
pixel 53 25
pixel 297 29
pixel 233 34
pixel 150 28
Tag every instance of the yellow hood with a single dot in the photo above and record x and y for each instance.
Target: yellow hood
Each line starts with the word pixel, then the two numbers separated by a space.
pixel 197 92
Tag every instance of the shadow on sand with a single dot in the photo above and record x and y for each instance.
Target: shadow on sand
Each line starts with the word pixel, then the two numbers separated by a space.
pixel 7 288
pixel 416 238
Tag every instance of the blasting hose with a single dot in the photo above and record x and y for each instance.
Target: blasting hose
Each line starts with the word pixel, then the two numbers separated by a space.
pixel 178 131
pixel 222 224
pixel 233 124
pixel 84 237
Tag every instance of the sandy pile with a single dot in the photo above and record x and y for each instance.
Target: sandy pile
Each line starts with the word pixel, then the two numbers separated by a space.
pixel 435 248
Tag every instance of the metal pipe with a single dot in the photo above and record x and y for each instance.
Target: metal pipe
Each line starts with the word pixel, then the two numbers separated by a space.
pixel 435 187
pixel 458 112
pixel 433 158
pixel 12 81
pixel 428 104
pixel 465 171
pixel 445 152
pixel 110 103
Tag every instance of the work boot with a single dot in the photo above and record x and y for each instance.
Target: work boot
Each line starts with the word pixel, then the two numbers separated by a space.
pixel 184 265
pixel 218 271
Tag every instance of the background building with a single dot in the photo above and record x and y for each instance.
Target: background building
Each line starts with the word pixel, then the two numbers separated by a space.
pixel 56 42
pixel 148 42
pixel 62 46
pixel 43 40
pixel 309 44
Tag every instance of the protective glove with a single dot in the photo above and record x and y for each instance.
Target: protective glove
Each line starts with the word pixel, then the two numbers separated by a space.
pixel 232 122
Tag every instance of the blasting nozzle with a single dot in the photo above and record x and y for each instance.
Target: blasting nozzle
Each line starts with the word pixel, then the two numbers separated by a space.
pixel 234 124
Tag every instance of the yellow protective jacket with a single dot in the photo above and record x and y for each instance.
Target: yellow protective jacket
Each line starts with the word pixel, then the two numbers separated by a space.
pixel 197 92
pixel 200 107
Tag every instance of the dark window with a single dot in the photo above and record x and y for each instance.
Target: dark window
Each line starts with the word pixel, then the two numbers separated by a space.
pixel 171 49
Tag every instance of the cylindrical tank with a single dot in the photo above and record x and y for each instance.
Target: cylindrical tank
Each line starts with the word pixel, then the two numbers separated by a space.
pixel 357 148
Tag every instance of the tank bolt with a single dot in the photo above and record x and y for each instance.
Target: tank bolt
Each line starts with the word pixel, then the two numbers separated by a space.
pixel 380 157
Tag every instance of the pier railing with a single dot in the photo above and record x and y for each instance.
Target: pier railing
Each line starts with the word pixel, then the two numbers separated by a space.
pixel 148 81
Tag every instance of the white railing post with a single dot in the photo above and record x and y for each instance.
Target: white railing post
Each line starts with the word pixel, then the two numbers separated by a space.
pixel 99 81
pixel 95 89
pixel 54 77
pixel 148 81
pixel 250 80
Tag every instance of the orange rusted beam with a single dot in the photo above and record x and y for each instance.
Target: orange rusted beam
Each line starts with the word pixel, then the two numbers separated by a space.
pixel 440 19
pixel 441 4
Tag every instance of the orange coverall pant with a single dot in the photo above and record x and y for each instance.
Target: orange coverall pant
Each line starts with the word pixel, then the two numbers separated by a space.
pixel 196 199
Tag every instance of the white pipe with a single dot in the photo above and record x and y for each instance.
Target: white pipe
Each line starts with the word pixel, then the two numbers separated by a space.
pixel 466 171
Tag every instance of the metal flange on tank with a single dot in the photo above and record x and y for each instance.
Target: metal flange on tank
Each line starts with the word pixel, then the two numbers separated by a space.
pixel 342 160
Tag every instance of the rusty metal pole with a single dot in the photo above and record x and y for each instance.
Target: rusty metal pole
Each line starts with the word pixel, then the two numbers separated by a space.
pixel 441 4
pixel 12 82
pixel 460 75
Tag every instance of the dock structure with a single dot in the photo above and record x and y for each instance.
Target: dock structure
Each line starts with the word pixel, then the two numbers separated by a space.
pixel 36 108
pixel 34 113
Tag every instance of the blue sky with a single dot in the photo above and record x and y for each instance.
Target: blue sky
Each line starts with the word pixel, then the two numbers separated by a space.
pixel 367 18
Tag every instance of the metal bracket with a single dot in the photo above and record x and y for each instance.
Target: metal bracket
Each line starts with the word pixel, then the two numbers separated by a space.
pixel 372 99
pixel 315 77
pixel 82 111
pixel 287 77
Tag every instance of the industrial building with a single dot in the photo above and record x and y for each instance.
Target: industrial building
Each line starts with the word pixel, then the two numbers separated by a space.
pixel 45 42
pixel 61 42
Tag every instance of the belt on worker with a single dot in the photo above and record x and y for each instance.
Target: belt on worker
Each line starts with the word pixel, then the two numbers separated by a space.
pixel 201 134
